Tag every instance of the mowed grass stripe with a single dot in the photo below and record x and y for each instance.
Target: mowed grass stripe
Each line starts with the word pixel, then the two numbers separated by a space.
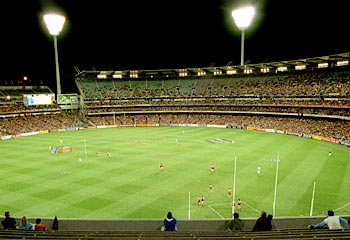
pixel 130 185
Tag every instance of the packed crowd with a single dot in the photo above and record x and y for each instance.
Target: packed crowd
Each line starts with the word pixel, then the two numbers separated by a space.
pixel 299 110
pixel 19 107
pixel 319 92
pixel 309 83
pixel 337 129
pixel 333 128
pixel 32 123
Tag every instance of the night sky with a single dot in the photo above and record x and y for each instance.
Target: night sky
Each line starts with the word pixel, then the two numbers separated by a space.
pixel 140 34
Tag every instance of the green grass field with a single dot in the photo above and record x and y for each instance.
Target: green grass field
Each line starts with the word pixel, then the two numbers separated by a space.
pixel 129 184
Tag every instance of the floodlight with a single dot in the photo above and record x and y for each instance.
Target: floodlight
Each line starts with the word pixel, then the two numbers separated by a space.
pixel 54 24
pixel 243 18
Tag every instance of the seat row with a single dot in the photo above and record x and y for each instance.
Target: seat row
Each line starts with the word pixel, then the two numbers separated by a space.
pixel 180 235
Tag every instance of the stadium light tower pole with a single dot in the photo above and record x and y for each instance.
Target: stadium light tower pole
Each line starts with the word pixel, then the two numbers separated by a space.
pixel 243 17
pixel 54 24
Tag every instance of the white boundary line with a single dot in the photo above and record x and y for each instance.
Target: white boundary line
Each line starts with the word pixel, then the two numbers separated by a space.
pixel 344 206
pixel 219 204
pixel 258 211
pixel 254 209
pixel 216 212
pixel 338 209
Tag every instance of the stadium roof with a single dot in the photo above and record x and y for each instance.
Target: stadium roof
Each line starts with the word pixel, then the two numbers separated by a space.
pixel 341 59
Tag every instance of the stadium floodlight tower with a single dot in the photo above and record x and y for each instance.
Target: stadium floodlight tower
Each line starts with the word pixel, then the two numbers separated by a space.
pixel 243 18
pixel 54 24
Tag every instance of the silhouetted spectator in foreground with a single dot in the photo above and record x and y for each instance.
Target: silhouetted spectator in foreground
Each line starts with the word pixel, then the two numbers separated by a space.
pixel 9 222
pixel 264 223
pixel 333 222
pixel 55 224
pixel 269 222
pixel 236 224
pixel 39 226
pixel 169 223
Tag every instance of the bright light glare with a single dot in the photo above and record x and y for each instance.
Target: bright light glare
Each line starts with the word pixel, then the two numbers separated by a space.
pixel 243 16
pixel 54 23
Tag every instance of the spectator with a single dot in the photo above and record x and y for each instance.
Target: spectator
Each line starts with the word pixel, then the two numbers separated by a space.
pixel 9 222
pixel 169 223
pixel 333 222
pixel 236 224
pixel 269 222
pixel 25 225
pixel 55 224
pixel 38 225
pixel 263 223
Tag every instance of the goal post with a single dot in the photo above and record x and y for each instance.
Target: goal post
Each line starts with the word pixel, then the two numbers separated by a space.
pixel 312 199
pixel 189 205
pixel 234 187
pixel 275 191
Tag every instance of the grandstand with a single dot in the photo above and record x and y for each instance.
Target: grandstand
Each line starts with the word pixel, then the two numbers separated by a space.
pixel 315 89
pixel 305 97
